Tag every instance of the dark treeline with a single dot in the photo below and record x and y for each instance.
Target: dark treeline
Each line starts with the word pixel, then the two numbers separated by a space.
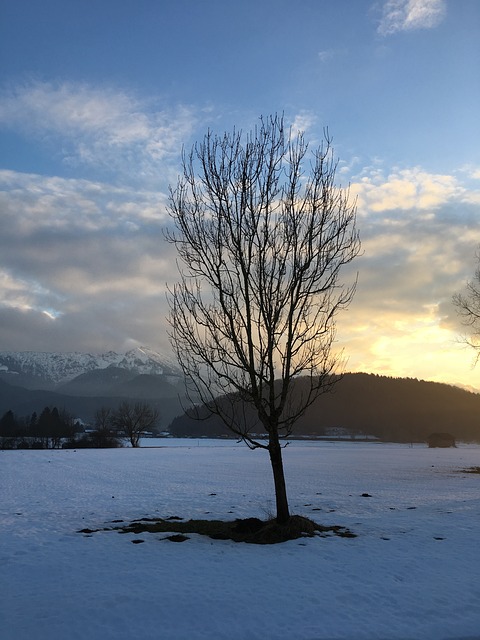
pixel 53 429
pixel 392 409
pixel 45 430
pixel 50 429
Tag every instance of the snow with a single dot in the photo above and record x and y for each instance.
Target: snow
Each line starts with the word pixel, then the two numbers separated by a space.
pixel 412 572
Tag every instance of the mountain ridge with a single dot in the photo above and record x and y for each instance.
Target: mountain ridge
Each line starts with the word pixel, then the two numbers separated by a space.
pixel 50 370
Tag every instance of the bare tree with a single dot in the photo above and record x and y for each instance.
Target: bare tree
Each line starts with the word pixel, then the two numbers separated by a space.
pixel 261 242
pixel 134 420
pixel 103 419
pixel 468 308
pixel 105 430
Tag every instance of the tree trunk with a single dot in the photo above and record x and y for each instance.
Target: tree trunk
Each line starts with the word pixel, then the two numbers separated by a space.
pixel 275 451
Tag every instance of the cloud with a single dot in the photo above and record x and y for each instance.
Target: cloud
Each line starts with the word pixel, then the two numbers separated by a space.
pixel 327 55
pixel 418 230
pixel 31 202
pixel 302 122
pixel 25 295
pixel 408 15
pixel 404 189
pixel 102 128
pixel 68 242
pixel 419 238
pixel 85 267
pixel 81 261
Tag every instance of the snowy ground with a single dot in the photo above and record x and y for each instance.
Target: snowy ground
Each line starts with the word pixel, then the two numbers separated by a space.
pixel 412 572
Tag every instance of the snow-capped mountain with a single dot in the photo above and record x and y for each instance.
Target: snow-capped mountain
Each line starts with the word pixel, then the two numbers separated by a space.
pixel 54 369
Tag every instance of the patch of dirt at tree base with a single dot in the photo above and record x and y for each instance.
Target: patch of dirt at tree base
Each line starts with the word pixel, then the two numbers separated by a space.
pixel 249 530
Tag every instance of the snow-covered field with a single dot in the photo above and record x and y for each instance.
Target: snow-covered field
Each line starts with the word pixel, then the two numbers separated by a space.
pixel 413 572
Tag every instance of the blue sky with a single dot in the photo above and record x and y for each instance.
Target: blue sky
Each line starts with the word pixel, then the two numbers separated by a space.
pixel 97 99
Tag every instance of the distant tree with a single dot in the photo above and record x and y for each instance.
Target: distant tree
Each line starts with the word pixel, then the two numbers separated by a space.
pixel 134 420
pixel 468 308
pixel 43 428
pixel 9 430
pixel 52 427
pixel 56 428
pixel 103 419
pixel 104 434
pixel 32 423
pixel 262 234
pixel 8 424
pixel 69 426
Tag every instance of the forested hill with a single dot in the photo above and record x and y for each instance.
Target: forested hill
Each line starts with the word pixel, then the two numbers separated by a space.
pixel 393 409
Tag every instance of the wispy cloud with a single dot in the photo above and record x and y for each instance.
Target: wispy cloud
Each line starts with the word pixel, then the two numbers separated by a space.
pixel 302 122
pixel 98 127
pixel 408 15
pixel 326 55
pixel 31 202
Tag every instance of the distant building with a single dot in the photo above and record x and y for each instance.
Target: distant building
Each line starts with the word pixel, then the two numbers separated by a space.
pixel 441 440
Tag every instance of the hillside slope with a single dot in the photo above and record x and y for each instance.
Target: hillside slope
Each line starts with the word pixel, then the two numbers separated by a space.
pixel 394 409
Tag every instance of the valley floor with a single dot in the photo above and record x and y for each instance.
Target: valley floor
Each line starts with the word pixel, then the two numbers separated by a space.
pixel 410 574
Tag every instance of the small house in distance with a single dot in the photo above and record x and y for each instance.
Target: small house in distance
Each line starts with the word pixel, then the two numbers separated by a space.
pixel 442 440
